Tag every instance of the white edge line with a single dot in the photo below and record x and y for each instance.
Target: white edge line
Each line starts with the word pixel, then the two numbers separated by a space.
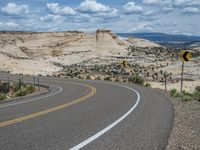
pixel 106 129
pixel 26 101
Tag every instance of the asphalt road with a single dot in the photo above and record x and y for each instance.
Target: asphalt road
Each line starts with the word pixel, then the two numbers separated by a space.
pixel 90 115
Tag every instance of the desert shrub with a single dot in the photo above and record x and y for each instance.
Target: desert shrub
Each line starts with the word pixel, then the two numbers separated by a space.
pixel 16 87
pixel 88 77
pixel 147 85
pixel 98 78
pixel 117 80
pixel 187 93
pixel 4 87
pixel 30 89
pixel 2 96
pixel 107 78
pixel 173 93
pixel 196 96
pixel 26 90
pixel 22 93
pixel 56 53
pixel 197 88
pixel 178 94
pixel 136 80
pixel 186 98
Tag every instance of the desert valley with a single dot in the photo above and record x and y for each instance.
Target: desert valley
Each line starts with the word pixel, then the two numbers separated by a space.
pixel 96 55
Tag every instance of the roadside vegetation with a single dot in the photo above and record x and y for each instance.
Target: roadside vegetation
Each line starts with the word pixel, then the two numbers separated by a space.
pixel 15 89
pixel 187 96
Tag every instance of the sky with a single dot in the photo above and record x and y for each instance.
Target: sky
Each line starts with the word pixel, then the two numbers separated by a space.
pixel 120 16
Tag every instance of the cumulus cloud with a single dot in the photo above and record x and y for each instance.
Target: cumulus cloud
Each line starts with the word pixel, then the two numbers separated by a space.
pixel 168 9
pixel 92 6
pixel 54 8
pixel 8 26
pixel 96 9
pixel 50 17
pixel 157 2
pixel 106 15
pixel 191 10
pixel 131 7
pixel 141 26
pixel 183 3
pixel 14 9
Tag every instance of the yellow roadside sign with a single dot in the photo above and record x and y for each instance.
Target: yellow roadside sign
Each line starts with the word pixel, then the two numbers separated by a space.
pixel 185 55
pixel 124 63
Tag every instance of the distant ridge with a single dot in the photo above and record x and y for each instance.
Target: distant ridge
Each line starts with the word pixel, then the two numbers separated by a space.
pixel 162 37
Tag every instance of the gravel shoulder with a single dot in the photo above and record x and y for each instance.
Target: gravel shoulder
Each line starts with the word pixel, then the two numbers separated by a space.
pixel 185 134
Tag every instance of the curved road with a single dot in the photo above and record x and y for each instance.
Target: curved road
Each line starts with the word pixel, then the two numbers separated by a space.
pixel 86 114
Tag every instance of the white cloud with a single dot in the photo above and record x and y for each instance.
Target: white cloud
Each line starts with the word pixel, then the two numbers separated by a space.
pixel 183 3
pixel 14 9
pixel 112 14
pixel 50 17
pixel 54 8
pixel 141 26
pixel 8 26
pixel 131 7
pixel 190 10
pixel 168 9
pixel 91 6
pixel 157 2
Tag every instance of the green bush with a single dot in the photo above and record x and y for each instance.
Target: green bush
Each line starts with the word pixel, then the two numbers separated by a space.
pixel 25 91
pixel 117 80
pixel 147 85
pixel 178 94
pixel 22 93
pixel 196 96
pixel 88 77
pixel 2 96
pixel 173 93
pixel 30 89
pixel 4 87
pixel 186 98
pixel 16 87
pixel 107 79
pixel 187 93
pixel 136 80
pixel 197 88
pixel 98 78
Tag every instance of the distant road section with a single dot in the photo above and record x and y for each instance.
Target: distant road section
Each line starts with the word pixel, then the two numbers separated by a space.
pixel 86 114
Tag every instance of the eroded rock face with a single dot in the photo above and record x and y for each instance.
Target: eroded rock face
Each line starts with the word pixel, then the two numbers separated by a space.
pixel 38 52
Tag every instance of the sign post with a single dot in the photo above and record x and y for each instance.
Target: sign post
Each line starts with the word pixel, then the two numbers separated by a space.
pixel 165 76
pixel 185 56
pixel 182 76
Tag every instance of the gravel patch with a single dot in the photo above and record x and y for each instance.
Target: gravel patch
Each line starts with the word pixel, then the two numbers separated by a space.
pixel 185 134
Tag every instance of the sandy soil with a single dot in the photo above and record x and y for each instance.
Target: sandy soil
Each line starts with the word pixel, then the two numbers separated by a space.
pixel 185 132
pixel 188 86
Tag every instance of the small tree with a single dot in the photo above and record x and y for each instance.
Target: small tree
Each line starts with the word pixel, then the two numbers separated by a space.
pixel 4 87
pixel 136 80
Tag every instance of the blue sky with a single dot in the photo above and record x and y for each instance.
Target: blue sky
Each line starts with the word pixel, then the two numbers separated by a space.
pixel 166 16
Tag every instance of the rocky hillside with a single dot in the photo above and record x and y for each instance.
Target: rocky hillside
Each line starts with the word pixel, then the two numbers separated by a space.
pixel 37 53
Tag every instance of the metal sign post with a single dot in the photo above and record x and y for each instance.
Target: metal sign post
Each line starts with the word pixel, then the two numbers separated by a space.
pixel 185 56
pixel 182 76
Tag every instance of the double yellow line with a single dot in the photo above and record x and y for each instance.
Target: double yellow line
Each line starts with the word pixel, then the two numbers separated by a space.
pixel 34 115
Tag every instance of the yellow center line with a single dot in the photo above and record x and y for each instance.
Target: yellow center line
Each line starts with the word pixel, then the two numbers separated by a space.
pixel 34 115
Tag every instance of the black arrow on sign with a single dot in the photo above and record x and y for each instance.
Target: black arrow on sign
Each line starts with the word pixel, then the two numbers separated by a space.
pixel 185 56
pixel 124 63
